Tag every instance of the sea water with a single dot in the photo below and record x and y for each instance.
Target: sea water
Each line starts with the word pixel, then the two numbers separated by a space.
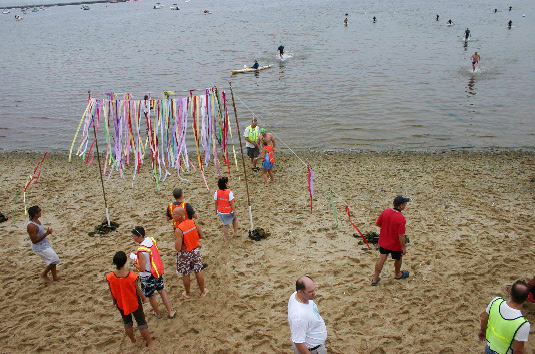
pixel 404 82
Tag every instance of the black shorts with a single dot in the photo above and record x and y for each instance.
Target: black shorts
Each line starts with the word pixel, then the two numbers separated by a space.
pixel 139 315
pixel 395 254
pixel 253 152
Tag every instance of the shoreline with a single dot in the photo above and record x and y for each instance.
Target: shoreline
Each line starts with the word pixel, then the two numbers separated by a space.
pixel 469 221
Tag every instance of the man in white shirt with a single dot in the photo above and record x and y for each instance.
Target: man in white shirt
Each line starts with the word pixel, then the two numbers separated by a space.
pixel 308 328
pixel 503 325
pixel 251 135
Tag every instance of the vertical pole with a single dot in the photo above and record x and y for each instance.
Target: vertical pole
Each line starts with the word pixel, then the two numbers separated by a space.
pixel 100 168
pixel 243 160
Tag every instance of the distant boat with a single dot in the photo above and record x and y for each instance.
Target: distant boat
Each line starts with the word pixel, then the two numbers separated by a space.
pixel 250 70
pixel 35 9
pixel 175 7
pixel 186 1
pixel 6 11
pixel 85 7
pixel 158 6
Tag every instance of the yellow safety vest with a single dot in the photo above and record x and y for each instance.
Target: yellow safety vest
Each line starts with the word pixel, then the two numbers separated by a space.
pixel 253 133
pixel 500 331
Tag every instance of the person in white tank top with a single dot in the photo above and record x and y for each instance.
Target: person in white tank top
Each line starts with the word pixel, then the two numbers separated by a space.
pixel 40 244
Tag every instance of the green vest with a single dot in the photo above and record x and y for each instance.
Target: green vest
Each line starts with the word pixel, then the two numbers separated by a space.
pixel 253 133
pixel 501 332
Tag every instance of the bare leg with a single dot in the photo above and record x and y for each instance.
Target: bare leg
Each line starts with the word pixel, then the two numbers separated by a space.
pixel 146 335
pixel 264 172
pixel 271 174
pixel 186 293
pixel 200 282
pixel 379 267
pixel 54 273
pixel 253 161
pixel 44 275
pixel 154 305
pixel 235 225
pixel 397 267
pixel 165 300
pixel 225 231
pixel 130 334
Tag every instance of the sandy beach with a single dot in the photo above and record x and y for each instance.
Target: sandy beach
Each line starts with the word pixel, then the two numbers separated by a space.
pixel 470 223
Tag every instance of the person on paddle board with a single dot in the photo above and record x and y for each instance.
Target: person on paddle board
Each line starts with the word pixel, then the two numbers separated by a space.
pixel 475 60
pixel 255 65
pixel 281 50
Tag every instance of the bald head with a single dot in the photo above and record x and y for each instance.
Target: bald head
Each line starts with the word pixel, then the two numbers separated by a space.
pixel 178 214
pixel 306 290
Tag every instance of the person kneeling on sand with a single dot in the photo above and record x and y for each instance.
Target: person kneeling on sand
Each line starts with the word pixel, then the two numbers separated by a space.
pixel 40 244
pixel 127 297
pixel 150 267
pixel 188 257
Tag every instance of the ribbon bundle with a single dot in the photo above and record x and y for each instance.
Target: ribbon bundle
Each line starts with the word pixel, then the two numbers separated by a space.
pixel 164 137
pixel 33 179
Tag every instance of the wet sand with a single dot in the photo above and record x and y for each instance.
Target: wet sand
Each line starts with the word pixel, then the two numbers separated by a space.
pixel 470 224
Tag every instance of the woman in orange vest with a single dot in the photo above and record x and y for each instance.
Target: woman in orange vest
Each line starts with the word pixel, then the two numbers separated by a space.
pixel 269 161
pixel 127 296
pixel 224 207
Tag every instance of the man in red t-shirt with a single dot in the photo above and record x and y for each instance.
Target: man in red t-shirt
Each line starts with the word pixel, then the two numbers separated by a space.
pixel 392 239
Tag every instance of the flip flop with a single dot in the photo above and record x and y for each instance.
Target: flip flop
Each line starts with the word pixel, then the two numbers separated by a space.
pixel 173 315
pixel 377 282
pixel 404 275
pixel 154 314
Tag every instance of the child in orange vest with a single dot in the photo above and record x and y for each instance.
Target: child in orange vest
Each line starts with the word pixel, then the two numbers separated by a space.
pixel 151 278
pixel 127 296
pixel 225 207
pixel 269 161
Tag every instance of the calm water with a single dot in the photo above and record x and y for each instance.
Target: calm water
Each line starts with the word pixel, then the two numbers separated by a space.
pixel 404 82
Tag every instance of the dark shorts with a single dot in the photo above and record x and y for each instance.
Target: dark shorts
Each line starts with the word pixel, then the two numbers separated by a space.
pixel 189 261
pixel 253 152
pixel 149 285
pixel 474 62
pixel 395 254
pixel 138 315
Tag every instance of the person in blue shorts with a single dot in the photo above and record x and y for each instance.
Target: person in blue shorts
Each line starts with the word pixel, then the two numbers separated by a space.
pixel 268 163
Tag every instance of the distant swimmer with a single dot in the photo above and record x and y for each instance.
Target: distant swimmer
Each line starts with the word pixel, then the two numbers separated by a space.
pixel 437 17
pixel 466 34
pixel 281 50
pixel 510 8
pixel 450 22
pixel 345 21
pixel 495 10
pixel 475 60
pixel 374 19
pixel 255 65
pixel 510 23
pixel 346 14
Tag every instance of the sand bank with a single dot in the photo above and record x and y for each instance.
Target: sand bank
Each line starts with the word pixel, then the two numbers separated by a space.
pixel 470 223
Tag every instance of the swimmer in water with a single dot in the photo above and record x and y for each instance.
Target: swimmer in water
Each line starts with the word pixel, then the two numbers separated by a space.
pixel 374 19
pixel 475 60
pixel 450 22
pixel 345 21
pixel 510 23
pixel 466 34
pixel 437 17
pixel 281 50
pixel 510 8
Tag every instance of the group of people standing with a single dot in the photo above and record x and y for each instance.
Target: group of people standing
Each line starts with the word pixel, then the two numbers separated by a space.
pixel 261 145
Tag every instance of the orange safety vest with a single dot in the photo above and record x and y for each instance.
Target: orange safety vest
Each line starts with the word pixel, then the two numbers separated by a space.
pixel 190 235
pixel 124 291
pixel 269 154
pixel 172 207
pixel 156 264
pixel 223 202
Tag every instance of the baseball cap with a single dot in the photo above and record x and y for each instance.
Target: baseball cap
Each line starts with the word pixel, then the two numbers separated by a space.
pixel 262 130
pixel 399 200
